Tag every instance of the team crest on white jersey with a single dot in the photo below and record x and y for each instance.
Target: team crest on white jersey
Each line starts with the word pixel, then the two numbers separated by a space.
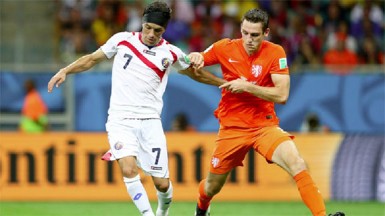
pixel 166 62
pixel 256 70
pixel 118 145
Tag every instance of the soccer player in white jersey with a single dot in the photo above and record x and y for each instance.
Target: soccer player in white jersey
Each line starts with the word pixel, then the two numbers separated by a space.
pixel 142 62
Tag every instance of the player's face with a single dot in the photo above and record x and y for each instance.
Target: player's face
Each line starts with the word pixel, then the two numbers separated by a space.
pixel 252 35
pixel 151 33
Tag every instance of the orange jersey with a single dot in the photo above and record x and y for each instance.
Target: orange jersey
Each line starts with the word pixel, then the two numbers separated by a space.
pixel 243 109
pixel 34 106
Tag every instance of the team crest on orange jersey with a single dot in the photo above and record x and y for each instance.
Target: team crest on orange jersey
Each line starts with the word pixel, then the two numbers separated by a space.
pixel 166 62
pixel 215 161
pixel 256 70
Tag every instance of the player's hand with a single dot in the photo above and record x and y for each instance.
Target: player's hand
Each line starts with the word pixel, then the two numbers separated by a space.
pixel 196 60
pixel 235 86
pixel 57 80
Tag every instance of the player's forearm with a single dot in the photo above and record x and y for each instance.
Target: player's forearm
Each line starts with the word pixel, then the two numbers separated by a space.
pixel 82 64
pixel 204 76
pixel 273 94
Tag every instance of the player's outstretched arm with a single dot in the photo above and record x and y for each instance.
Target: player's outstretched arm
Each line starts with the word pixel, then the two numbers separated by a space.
pixel 203 76
pixel 82 64
pixel 197 73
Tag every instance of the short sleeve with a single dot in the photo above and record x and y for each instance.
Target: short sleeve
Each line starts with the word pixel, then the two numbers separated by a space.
pixel 180 63
pixel 111 46
pixel 210 55
pixel 279 65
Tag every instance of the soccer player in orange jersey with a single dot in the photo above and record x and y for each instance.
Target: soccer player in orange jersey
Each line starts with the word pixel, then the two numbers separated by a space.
pixel 257 77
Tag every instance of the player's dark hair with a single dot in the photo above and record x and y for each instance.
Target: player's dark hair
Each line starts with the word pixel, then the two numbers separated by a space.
pixel 257 16
pixel 157 12
pixel 158 6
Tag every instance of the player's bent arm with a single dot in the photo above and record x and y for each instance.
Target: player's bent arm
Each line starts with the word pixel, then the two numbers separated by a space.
pixel 279 93
pixel 82 64
pixel 85 62
pixel 203 76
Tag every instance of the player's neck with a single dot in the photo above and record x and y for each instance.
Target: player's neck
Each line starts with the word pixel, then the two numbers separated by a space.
pixel 250 53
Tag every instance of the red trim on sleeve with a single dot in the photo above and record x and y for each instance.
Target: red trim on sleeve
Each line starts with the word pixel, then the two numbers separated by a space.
pixel 174 56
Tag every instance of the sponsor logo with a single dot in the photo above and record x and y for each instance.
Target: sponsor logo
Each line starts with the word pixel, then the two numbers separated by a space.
pixel 137 196
pixel 215 161
pixel 282 63
pixel 149 52
pixel 256 70
pixel 156 168
pixel 118 145
pixel 232 60
pixel 166 62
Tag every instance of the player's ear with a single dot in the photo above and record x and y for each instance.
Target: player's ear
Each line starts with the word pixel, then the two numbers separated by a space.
pixel 267 31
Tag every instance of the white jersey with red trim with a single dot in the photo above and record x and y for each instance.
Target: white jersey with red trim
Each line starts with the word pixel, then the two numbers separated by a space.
pixel 140 74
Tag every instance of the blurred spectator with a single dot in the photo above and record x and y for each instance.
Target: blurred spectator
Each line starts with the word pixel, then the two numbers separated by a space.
pixel 312 123
pixel 177 30
pixel 277 35
pixel 306 55
pixel 370 9
pixel 111 18
pixel 208 10
pixel 236 8
pixel 181 123
pixel 367 20
pixel 332 14
pixel 183 11
pixel 209 19
pixel 134 16
pixel 34 111
pixel 74 24
pixel 305 29
pixel 233 11
pixel 342 29
pixel 340 60
pixel 370 53
pixel 197 39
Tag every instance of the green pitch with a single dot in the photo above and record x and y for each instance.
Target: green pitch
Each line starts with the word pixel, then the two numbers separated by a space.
pixel 185 208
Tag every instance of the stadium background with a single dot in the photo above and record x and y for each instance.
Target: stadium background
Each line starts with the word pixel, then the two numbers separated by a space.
pixel 348 162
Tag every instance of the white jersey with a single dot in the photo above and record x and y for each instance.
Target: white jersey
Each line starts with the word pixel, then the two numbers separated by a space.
pixel 140 74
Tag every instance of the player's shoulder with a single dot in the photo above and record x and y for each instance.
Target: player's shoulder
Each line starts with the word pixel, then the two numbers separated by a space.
pixel 170 46
pixel 226 42
pixel 225 45
pixel 125 35
pixel 165 43
pixel 271 46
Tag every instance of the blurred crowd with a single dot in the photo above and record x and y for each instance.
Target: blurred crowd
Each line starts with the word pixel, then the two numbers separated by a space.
pixel 313 32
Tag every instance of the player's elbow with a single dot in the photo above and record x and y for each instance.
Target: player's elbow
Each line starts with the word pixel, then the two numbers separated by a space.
pixel 188 72
pixel 282 99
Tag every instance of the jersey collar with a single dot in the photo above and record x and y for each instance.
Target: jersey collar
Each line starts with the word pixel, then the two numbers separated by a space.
pixel 158 44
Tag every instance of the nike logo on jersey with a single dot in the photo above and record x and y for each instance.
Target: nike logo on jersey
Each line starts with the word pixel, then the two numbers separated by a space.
pixel 232 60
